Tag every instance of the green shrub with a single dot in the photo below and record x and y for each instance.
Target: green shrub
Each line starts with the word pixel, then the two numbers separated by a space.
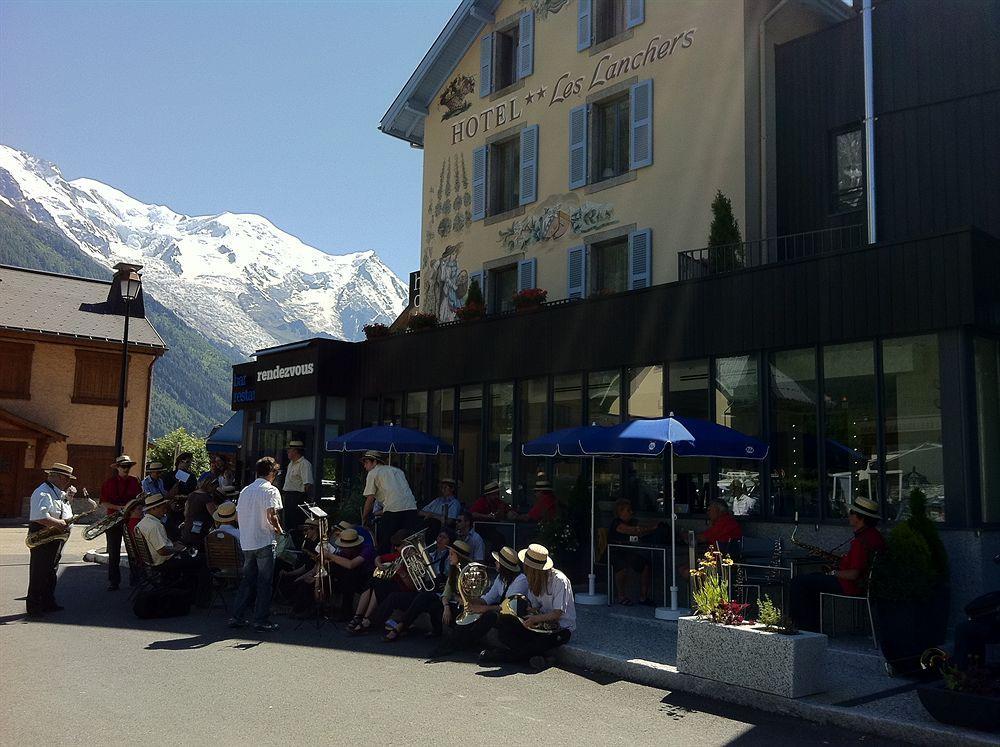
pixel 166 448
pixel 905 571
pixel 926 528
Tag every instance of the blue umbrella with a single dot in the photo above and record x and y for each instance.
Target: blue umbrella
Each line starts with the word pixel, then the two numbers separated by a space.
pixel 389 438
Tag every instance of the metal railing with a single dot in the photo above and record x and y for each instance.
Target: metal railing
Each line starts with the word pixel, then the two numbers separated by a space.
pixel 715 260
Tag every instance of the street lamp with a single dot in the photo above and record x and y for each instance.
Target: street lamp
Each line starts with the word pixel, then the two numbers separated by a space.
pixel 130 282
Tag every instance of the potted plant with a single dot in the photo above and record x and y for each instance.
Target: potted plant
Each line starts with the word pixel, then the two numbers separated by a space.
pixel 529 298
pixel 374 330
pixel 969 698
pixel 718 643
pixel 470 311
pixel 421 320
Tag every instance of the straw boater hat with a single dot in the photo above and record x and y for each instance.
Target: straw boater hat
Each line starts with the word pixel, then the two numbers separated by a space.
pixel 462 548
pixel 865 507
pixel 225 513
pixel 154 467
pixel 153 500
pixel 447 481
pixel 123 461
pixel 373 455
pixel 543 485
pixel 349 538
pixel 295 445
pixel 537 557
pixel 58 468
pixel 508 559
pixel 342 526
pixel 227 490
pixel 491 487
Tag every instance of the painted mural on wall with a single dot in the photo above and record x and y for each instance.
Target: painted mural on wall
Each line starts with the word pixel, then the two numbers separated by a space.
pixel 553 219
pixel 542 8
pixel 446 286
pixel 450 206
pixel 454 98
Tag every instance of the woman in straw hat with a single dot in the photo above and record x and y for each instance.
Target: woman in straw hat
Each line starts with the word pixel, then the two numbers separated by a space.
pixel 851 573
pixel 550 593
pixel 225 520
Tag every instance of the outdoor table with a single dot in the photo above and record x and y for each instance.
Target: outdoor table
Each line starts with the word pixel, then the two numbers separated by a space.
pixel 655 548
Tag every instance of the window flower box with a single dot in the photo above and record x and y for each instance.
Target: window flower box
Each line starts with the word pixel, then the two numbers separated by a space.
pixel 530 298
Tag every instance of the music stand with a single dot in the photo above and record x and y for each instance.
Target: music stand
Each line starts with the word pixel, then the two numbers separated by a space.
pixel 322 579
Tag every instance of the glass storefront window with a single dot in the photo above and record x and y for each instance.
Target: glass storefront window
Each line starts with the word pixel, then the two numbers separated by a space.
pixel 415 465
pixel 331 462
pixel 567 401
pixel 851 438
pixel 442 424
pixel 469 446
pixel 369 412
pixel 416 411
pixel 987 364
pixel 794 441
pixel 604 392
pixel 533 416
pixel 392 409
pixel 499 444
pixel 913 452
pixel 294 410
pixel 644 477
pixel 645 392
pixel 737 406
pixel 689 396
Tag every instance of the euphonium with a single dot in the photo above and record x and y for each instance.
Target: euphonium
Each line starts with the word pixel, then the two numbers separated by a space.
pixel 418 566
pixel 473 581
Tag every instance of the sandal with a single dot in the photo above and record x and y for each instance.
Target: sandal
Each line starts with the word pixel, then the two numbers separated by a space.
pixel 394 635
pixel 362 627
pixel 355 623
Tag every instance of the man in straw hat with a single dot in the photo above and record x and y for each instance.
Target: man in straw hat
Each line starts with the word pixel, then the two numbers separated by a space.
pixel 546 505
pixel 851 573
pixel 49 508
pixel 445 508
pixel 225 520
pixel 116 491
pixel 350 567
pixel 166 554
pixel 490 506
pixel 550 594
pixel 153 481
pixel 387 485
pixel 297 487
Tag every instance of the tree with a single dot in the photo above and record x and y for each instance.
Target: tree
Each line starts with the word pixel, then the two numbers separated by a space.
pixel 475 294
pixel 725 241
pixel 165 449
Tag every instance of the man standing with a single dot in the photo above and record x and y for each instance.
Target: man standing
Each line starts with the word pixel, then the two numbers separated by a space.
pixel 388 485
pixel 298 485
pixel 49 508
pixel 116 491
pixel 257 513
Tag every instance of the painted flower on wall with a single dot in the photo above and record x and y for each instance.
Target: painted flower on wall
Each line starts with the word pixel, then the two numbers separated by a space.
pixel 544 7
pixel 453 97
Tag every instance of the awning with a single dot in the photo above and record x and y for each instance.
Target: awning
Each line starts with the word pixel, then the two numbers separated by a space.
pixel 228 438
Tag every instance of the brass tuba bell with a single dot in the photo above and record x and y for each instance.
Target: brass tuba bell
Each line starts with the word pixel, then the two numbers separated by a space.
pixel 473 582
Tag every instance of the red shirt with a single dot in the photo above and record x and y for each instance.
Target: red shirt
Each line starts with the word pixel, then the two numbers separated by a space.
pixel 546 507
pixel 723 529
pixel 487 505
pixel 119 490
pixel 867 541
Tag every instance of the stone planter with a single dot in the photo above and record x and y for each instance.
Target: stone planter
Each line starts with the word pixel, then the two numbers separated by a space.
pixel 752 657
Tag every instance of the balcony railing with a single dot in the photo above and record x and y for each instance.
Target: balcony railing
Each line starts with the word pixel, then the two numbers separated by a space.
pixel 715 260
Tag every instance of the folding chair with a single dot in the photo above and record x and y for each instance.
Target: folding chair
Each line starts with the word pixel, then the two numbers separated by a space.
pixel 858 603
pixel 225 562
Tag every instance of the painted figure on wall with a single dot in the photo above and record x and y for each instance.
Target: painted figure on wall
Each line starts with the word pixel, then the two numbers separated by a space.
pixel 447 285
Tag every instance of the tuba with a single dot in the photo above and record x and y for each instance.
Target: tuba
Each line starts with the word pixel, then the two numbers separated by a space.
pixel 473 581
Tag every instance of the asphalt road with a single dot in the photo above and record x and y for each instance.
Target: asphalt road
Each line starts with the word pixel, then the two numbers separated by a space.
pixel 96 674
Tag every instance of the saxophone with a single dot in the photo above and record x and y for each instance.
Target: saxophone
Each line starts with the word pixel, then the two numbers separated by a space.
pixel 54 534
pixel 830 558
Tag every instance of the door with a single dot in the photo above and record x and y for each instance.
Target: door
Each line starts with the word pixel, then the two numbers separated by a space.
pixel 11 467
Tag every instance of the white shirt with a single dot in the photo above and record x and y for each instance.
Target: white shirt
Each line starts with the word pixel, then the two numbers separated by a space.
pixel 49 502
pixel 251 512
pixel 298 474
pixel 498 591
pixel 558 596
pixel 228 529
pixel 156 538
pixel 388 484
pixel 477 545
pixel 450 507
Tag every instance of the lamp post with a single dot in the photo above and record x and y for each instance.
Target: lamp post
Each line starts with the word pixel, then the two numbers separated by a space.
pixel 130 282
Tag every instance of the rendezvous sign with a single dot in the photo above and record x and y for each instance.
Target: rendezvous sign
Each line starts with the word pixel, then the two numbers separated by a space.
pixel 293 374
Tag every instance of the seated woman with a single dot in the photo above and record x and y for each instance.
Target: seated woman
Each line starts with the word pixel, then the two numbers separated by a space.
pixel 550 593
pixel 351 568
pixel 225 520
pixel 379 588
pixel 621 532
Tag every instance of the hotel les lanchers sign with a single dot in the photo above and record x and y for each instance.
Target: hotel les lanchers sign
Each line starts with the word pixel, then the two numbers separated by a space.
pixel 608 69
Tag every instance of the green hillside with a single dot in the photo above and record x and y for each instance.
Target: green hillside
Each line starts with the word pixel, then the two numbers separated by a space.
pixel 190 382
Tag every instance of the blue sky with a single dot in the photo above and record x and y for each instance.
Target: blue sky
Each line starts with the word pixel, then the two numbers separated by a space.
pixel 262 107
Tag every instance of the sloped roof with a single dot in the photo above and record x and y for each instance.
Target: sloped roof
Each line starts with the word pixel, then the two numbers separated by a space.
pixel 49 303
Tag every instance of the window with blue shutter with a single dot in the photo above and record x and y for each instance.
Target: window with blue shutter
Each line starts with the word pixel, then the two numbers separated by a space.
pixel 576 272
pixel 527 270
pixel 526 45
pixel 635 12
pixel 479 161
pixel 584 24
pixel 641 135
pixel 529 165
pixel 640 258
pixel 486 65
pixel 578 147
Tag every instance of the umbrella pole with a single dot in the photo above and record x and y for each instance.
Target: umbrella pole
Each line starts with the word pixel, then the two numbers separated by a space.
pixel 592 597
pixel 673 537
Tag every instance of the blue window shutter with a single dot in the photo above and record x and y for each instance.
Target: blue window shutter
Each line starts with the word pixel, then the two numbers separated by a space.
pixel 576 272
pixel 526 45
pixel 529 165
pixel 578 146
pixel 527 270
pixel 486 65
pixel 479 161
pixel 640 257
pixel 641 136
pixel 584 25
pixel 478 278
pixel 635 12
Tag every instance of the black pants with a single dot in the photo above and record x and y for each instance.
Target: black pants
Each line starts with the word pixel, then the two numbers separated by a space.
pixel 114 538
pixel 467 636
pixel 521 644
pixel 424 601
pixel 42 565
pixel 398 600
pixel 348 582
pixel 390 523
pixel 804 598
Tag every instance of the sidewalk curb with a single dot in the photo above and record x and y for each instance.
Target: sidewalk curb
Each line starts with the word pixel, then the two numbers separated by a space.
pixel 667 677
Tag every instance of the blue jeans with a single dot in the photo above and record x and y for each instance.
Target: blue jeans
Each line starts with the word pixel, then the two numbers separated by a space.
pixel 258 569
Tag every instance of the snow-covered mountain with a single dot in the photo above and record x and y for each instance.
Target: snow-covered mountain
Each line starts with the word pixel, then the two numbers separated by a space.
pixel 235 278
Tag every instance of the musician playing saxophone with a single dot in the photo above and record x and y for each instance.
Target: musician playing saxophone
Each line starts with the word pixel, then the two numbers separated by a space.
pixel 851 573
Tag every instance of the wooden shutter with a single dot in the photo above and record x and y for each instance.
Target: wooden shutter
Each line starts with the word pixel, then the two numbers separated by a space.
pixel 529 165
pixel 527 270
pixel 576 272
pixel 578 146
pixel 486 65
pixel 15 370
pixel 584 25
pixel 641 135
pixel 526 45
pixel 479 162
pixel 97 378
pixel 635 12
pixel 639 258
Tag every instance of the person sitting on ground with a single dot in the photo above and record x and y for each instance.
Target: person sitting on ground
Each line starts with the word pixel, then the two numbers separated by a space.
pixel 851 573
pixel 380 587
pixel 546 505
pixel 446 507
pixel 491 507
pixel 624 530
pixel 350 568
pixel 225 520
pixel 550 593
pixel 167 556
pixel 723 530
pixel 465 531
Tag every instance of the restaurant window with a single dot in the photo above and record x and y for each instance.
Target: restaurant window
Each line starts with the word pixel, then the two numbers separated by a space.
pixel 794 440
pixel 644 477
pixel 415 465
pixel 533 417
pixel 416 411
pixel 911 382
pixel 987 364
pixel 441 423
pixel 567 412
pixel 499 444
pixel 292 410
pixel 737 406
pixel 468 449
pixel 688 395
pixel 848 169
pixel 505 175
pixel 502 286
pixel 15 370
pixel 332 463
pixel 851 438
pixel 609 19
pixel 610 126
pixel 604 394
pixel 392 409
pixel 609 266
pixel 97 378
